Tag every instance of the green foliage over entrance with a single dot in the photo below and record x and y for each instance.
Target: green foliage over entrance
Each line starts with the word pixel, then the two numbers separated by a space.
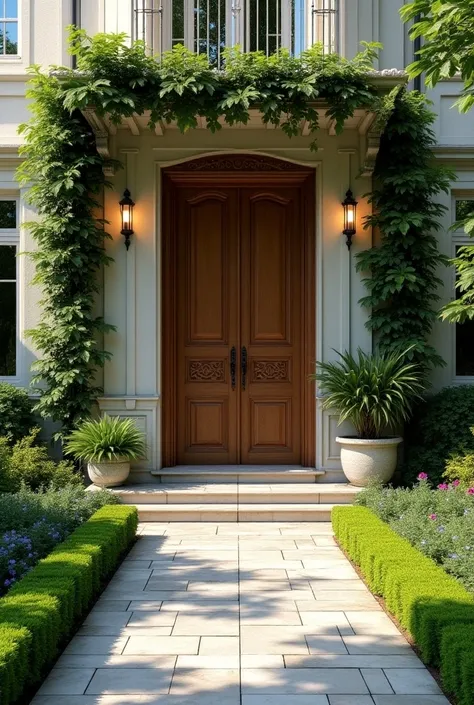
pixel 66 173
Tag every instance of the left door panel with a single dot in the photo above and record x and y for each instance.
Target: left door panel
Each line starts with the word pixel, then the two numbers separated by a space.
pixel 207 325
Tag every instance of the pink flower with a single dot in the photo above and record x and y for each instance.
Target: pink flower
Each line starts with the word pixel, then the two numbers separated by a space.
pixel 433 517
pixel 455 483
pixel 443 486
pixel 470 490
pixel 422 476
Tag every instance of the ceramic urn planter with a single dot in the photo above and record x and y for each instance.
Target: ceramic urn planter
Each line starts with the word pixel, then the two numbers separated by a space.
pixel 368 460
pixel 109 473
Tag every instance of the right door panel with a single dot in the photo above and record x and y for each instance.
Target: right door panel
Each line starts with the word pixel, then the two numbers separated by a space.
pixel 271 335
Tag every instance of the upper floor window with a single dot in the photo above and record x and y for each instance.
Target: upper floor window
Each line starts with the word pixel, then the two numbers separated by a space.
pixel 464 208
pixel 9 238
pixel 324 24
pixel 208 26
pixel 8 28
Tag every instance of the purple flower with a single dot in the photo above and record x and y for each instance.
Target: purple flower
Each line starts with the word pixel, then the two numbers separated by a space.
pixel 470 490
pixel 456 483
pixel 422 476
pixel 443 486
pixel 433 517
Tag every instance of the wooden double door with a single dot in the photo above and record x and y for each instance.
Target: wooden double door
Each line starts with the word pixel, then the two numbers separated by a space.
pixel 241 364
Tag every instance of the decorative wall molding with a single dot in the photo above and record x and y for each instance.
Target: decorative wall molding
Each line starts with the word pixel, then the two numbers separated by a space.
pixel 373 146
pixel 101 135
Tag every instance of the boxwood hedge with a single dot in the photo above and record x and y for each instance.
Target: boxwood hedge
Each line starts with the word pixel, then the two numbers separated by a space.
pixel 40 612
pixel 433 606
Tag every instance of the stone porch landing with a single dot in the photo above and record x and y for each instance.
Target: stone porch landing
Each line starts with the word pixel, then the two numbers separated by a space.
pixel 238 614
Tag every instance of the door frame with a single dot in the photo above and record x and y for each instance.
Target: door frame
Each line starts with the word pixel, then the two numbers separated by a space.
pixel 236 170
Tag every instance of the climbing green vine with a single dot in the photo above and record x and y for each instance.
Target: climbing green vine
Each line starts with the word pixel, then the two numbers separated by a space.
pixel 403 283
pixel 66 175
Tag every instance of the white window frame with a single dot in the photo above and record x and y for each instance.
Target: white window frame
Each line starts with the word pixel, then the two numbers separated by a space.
pixel 11 236
pixel 236 26
pixel 459 239
pixel 310 24
pixel 17 19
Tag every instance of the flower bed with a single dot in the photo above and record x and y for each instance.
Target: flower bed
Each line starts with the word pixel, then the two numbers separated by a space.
pixel 439 523
pixel 40 612
pixel 32 524
pixel 432 605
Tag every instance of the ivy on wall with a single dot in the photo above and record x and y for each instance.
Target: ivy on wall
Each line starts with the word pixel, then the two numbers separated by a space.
pixel 403 283
pixel 66 173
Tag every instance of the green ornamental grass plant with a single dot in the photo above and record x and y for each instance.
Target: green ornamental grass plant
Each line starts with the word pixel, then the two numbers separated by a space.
pixel 373 391
pixel 106 439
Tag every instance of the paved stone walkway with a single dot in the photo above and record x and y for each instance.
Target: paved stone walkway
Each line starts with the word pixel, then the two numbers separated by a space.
pixel 238 614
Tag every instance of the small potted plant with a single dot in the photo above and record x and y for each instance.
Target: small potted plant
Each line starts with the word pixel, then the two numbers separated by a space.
pixel 107 445
pixel 375 393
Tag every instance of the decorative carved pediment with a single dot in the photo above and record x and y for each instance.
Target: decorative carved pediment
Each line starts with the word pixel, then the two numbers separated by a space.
pixel 237 162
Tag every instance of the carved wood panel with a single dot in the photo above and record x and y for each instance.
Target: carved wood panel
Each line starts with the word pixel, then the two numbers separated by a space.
pixel 270 370
pixel 206 371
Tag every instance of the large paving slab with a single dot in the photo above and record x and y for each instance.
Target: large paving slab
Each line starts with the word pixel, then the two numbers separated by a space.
pixel 238 614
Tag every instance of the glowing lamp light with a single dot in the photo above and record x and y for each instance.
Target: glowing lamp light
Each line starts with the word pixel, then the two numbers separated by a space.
pixel 350 212
pixel 126 211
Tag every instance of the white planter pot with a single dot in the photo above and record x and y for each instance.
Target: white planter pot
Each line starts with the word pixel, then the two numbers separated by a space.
pixel 109 473
pixel 366 460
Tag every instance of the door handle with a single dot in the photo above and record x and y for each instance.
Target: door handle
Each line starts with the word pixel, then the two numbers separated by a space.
pixel 243 365
pixel 233 366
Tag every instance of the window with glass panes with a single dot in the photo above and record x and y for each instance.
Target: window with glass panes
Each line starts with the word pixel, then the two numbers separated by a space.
pixel 208 26
pixel 8 287
pixel 464 208
pixel 8 27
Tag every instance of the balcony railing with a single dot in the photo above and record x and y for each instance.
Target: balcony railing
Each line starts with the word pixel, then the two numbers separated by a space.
pixel 208 26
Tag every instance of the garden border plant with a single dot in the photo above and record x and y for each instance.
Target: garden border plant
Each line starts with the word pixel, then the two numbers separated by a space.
pixel 66 175
pixel 433 606
pixel 40 612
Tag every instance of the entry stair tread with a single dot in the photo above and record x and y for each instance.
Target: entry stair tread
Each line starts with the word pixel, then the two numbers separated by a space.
pixel 229 493
pixel 243 470
pixel 234 512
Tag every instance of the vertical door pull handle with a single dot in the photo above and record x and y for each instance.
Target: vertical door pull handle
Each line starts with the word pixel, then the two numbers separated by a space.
pixel 233 366
pixel 243 362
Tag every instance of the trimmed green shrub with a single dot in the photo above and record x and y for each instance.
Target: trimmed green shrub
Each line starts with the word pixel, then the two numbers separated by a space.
pixel 16 415
pixel 39 613
pixel 439 523
pixel 440 428
pixel 433 606
pixel 457 672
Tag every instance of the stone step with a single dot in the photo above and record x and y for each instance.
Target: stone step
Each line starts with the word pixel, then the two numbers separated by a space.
pixel 233 493
pixel 238 473
pixel 234 512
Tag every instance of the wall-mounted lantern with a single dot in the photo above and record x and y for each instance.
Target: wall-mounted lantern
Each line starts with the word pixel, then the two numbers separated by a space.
pixel 126 211
pixel 350 211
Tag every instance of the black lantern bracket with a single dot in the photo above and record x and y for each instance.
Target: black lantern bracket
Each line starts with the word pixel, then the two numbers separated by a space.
pixel 350 211
pixel 126 212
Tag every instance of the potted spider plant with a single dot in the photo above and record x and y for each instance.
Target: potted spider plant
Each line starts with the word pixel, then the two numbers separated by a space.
pixel 375 392
pixel 107 445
